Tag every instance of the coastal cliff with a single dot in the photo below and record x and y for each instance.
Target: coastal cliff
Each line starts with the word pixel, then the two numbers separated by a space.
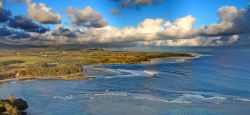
pixel 13 106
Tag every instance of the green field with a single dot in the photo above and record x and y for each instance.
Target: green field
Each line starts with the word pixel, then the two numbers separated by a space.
pixel 56 62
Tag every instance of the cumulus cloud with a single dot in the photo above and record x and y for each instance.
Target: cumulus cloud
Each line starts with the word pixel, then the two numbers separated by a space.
pixel 231 21
pixel 180 28
pixel 86 17
pixel 4 32
pixel 5 15
pixel 18 26
pixel 92 30
pixel 151 25
pixel 41 13
pixel 148 33
pixel 122 4
pixel 11 33
pixel 63 31
pixel 195 41
pixel 23 22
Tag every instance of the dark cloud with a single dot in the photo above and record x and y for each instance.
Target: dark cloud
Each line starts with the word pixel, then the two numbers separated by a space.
pixel 86 17
pixel 62 31
pixel 136 4
pixel 12 33
pixel 21 34
pixel 4 32
pixel 23 22
pixel 5 15
pixel 231 21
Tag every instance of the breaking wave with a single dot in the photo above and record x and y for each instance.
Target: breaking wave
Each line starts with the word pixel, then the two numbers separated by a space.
pixel 196 98
pixel 99 72
pixel 183 99
pixel 150 73
pixel 186 98
pixel 136 96
pixel 64 97
pixel 243 99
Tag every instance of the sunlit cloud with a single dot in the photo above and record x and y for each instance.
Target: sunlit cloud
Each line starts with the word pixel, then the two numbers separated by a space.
pixel 231 21
pixel 86 17
pixel 41 13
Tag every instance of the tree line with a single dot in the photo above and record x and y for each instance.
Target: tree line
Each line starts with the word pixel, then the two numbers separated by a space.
pixel 50 71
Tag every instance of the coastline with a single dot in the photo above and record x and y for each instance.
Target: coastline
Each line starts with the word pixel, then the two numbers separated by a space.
pixel 48 78
pixel 54 63
pixel 89 77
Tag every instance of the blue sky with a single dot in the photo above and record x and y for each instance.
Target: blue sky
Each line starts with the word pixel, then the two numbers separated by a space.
pixel 125 23
pixel 203 10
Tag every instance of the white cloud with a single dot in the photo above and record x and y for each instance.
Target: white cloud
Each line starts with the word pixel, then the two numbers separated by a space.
pixel 147 33
pixel 41 13
pixel 232 39
pixel 151 25
pixel 181 27
pixel 195 41
pixel 231 21
pixel 86 17
pixel 93 29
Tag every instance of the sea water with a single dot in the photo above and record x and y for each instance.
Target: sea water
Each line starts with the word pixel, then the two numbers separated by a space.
pixel 215 83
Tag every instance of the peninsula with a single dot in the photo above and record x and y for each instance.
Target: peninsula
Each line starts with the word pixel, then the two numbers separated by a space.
pixel 66 63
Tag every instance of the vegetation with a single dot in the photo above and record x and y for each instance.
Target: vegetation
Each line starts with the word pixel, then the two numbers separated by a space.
pixel 65 63
pixel 12 106
pixel 50 71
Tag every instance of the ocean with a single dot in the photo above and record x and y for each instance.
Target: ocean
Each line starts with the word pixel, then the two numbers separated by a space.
pixel 216 82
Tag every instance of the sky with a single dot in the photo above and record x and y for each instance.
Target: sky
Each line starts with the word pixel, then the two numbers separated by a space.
pixel 125 23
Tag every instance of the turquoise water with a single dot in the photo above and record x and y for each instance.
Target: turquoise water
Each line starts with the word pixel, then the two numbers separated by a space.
pixel 216 83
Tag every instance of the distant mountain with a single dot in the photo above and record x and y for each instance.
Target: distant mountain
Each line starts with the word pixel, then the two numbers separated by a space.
pixel 9 46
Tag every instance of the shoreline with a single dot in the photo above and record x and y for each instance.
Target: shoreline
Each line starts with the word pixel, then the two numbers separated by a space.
pixel 47 78
pixel 193 56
